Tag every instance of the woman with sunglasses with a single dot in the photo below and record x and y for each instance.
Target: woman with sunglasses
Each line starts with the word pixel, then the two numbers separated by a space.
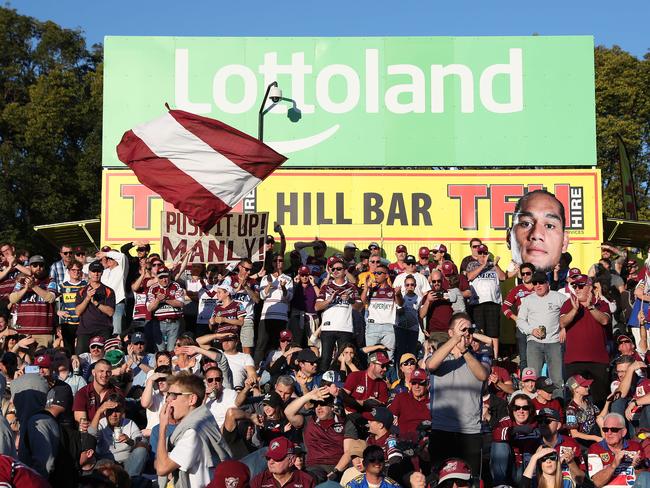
pixel 514 440
pixel 546 468
pixel 407 364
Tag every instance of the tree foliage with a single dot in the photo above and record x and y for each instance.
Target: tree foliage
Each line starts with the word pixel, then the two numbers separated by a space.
pixel 50 126
pixel 623 108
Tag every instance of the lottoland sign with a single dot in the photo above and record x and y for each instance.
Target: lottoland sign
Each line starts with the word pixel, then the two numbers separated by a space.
pixel 369 101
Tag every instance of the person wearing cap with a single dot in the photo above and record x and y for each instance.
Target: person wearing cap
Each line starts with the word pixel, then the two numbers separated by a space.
pixel 280 469
pixel 88 359
pixel 44 447
pixel 485 277
pixel 116 269
pixel 34 297
pixel 456 389
pixel 407 364
pixel 538 318
pixel 586 319
pixel 304 319
pixel 583 418
pixel 95 305
pixel 380 420
pixel 165 301
pixel 567 290
pixel 322 432
pixel 382 301
pixel 514 439
pixel 306 376
pixel 246 291
pixel 355 450
pixel 411 407
pixel 511 305
pixel 398 266
pixel 241 364
pixel 349 251
pixel 196 446
pixel 228 315
pixel 545 388
pixel 139 362
pixel 538 233
pixel 336 300
pixel 276 292
pixel 230 474
pixel 616 461
pixel 68 318
pixel 368 387
pixel 137 262
pixel 424 265
pixel 286 340
pixel 316 263
pixel 439 253
pixel 410 268
pixel 374 464
pixel 549 422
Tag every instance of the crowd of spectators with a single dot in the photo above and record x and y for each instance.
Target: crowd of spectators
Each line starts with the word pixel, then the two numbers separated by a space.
pixel 314 368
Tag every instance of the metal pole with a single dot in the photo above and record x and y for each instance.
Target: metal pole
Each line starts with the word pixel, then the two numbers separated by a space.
pixel 260 117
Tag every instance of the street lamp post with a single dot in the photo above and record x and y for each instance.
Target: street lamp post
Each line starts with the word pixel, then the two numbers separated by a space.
pixel 274 92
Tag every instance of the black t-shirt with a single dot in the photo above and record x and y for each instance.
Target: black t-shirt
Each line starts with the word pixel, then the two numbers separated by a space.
pixel 93 321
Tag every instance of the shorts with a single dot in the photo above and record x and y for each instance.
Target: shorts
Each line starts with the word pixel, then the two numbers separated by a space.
pixel 487 317
pixel 247 333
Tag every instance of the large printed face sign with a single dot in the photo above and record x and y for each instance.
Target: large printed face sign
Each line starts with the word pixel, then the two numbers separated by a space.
pixel 538 233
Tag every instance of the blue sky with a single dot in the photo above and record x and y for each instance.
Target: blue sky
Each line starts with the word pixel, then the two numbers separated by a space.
pixel 622 23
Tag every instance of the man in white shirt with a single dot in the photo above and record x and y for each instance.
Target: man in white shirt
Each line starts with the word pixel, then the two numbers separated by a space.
pixel 421 282
pixel 116 268
pixel 217 398
pixel 153 396
pixel 241 364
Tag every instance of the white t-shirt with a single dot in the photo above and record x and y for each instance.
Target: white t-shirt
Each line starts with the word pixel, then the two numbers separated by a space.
pixel 207 302
pixel 422 285
pixel 486 285
pixel 187 454
pixel 153 411
pixel 219 407
pixel 238 363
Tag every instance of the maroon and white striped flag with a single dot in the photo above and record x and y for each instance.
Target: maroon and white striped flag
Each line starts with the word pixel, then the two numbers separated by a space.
pixel 201 166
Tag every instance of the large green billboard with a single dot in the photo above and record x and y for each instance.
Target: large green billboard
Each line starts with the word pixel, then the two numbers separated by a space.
pixel 370 101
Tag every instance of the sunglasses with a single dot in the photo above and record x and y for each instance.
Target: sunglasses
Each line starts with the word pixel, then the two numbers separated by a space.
pixel 379 273
pixel 247 269
pixel 372 247
pixel 337 268
pixel 580 287
pixel 96 346
pixel 521 407
pixel 483 253
pixel 539 282
pixel 111 411
pixel 156 265
pixel 37 265
pixel 375 262
pixel 212 380
pixel 66 253
pixel 527 273
pixel 548 457
pixel 409 285
pixel 173 395
pixel 409 362
pixel 436 281
pixel 612 429
pixel 547 421
pixel 421 383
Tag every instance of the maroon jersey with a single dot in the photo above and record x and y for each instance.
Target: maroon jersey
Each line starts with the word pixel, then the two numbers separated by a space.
pixel 233 311
pixel 586 339
pixel 514 299
pixel 362 387
pixel 323 440
pixel 410 412
pixel 299 479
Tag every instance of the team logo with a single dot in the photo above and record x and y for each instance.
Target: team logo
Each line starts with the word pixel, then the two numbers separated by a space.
pixel 338 428
pixel 360 389
pixel 605 457
pixel 274 445
pixel 232 482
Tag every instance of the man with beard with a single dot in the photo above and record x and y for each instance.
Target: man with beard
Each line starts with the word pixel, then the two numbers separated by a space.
pixel 538 235
pixel 35 296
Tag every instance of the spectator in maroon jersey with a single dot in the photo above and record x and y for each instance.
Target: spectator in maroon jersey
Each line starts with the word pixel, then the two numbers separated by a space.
pixel 280 470
pixel 511 304
pixel 228 316
pixel 514 440
pixel 10 268
pixel 544 398
pixel 398 266
pixel 424 266
pixel 436 308
pixel 411 407
pixel 367 388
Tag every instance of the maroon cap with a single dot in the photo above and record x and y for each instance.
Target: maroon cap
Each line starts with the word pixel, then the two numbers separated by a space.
pixel 106 248
pixel 419 375
pixel 164 271
pixel 332 260
pixel 631 262
pixel 454 469
pixel 286 335
pixel 43 361
pixel 230 474
pixel 442 248
pixel 622 338
pixel 580 380
pixel 304 271
pixel 582 279
pixel 448 268
pixel 97 341
pixel 79 249
pixel 574 272
pixel 279 448
pixel 482 248
pixel 424 252
pixel 379 357
pixel 401 248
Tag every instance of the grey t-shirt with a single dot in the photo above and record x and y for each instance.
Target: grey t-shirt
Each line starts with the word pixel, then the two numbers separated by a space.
pixel 455 397
pixel 535 311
